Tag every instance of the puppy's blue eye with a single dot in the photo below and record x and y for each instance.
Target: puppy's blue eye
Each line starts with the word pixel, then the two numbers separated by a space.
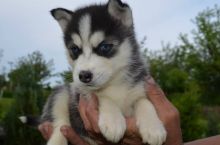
pixel 75 52
pixel 105 49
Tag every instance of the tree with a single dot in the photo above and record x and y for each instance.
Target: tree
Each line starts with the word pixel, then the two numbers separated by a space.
pixel 181 90
pixel 67 76
pixel 207 47
pixel 2 84
pixel 189 73
pixel 27 79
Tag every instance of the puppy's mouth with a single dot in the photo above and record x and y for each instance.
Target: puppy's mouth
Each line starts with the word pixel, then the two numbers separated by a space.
pixel 93 86
pixel 99 82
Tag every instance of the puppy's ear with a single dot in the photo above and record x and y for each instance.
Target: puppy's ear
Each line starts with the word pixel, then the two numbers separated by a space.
pixel 62 16
pixel 120 11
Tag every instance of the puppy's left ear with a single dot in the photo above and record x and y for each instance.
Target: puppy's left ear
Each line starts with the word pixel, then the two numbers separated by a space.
pixel 63 16
pixel 120 11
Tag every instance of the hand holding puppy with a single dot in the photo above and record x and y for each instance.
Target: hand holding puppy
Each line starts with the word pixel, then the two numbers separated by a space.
pixel 89 113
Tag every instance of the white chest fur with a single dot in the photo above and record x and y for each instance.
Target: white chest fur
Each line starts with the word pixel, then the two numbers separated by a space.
pixel 124 96
pixel 119 101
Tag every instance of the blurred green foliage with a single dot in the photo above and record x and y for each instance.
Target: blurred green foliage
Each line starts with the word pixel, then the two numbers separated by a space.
pixel 67 76
pixel 188 72
pixel 5 104
pixel 29 91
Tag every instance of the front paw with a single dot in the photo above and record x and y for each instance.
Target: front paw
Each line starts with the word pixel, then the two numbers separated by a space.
pixel 153 134
pixel 112 126
pixel 57 139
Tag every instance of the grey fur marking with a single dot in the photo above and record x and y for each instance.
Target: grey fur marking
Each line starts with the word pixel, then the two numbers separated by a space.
pixel 75 119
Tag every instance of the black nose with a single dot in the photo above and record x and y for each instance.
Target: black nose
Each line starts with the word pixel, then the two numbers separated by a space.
pixel 85 76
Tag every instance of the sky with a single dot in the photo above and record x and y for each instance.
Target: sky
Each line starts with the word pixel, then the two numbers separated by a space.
pixel 27 26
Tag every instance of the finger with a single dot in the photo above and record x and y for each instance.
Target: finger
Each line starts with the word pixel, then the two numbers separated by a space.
pixel 46 130
pixel 92 113
pixel 132 136
pixel 83 103
pixel 132 129
pixel 132 141
pixel 165 109
pixel 155 94
pixel 71 136
pixel 43 133
pixel 93 103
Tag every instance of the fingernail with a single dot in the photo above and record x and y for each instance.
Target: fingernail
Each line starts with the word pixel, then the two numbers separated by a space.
pixel 64 130
pixel 46 129
pixel 40 127
pixel 147 77
pixel 151 81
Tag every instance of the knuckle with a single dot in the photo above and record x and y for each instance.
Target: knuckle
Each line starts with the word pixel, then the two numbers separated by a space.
pixel 88 110
pixel 173 114
pixel 40 127
pixel 176 113
pixel 97 130
pixel 87 113
pixel 88 128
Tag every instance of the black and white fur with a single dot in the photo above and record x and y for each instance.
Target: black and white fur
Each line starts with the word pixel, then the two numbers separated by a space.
pixel 117 77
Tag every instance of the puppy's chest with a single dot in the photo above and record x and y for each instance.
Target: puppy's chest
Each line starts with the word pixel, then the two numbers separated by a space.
pixel 124 97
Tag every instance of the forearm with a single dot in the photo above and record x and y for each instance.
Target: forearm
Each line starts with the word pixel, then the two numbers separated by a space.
pixel 215 140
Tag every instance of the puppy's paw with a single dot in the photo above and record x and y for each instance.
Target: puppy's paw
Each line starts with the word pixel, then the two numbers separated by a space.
pixel 112 126
pixel 153 134
pixel 57 140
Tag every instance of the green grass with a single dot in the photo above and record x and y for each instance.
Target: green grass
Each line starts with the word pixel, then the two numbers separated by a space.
pixel 5 104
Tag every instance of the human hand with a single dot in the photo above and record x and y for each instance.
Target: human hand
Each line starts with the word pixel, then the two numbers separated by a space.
pixel 167 113
pixel 89 113
pixel 88 110
pixel 46 130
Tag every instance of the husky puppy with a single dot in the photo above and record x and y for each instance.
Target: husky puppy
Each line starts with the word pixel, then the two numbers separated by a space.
pixel 105 57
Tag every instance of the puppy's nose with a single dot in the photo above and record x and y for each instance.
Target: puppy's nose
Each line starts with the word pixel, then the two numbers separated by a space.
pixel 85 76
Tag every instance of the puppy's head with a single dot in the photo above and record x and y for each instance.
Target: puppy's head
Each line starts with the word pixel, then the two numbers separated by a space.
pixel 98 41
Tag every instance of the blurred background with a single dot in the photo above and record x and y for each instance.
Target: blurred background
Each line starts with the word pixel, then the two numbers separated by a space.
pixel 180 40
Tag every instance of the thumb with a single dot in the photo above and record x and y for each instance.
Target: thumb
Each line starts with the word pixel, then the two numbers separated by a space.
pixel 154 92
pixel 71 136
